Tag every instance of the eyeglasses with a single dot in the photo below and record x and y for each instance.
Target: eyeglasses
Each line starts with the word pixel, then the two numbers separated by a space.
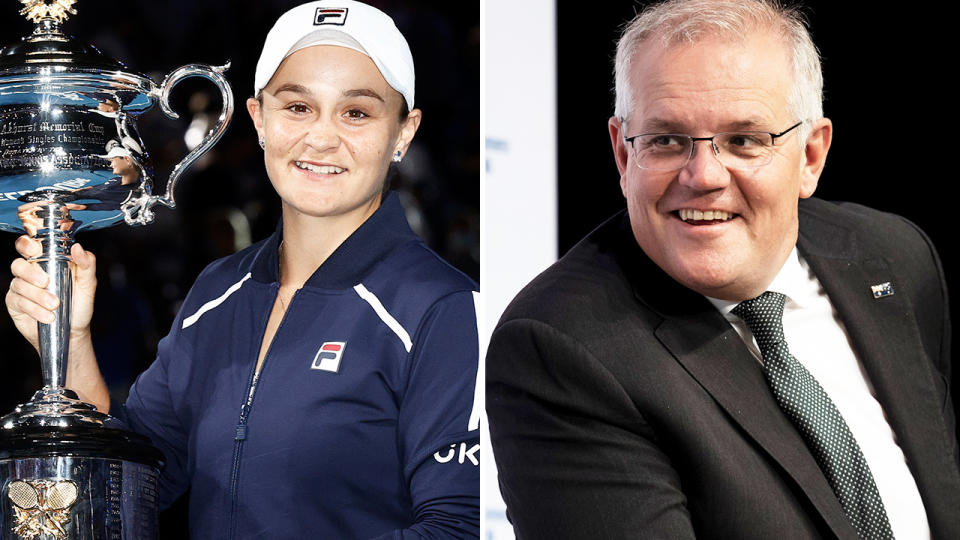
pixel 737 149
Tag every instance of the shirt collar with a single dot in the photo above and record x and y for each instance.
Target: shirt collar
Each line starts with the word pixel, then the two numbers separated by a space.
pixel 789 281
pixel 386 228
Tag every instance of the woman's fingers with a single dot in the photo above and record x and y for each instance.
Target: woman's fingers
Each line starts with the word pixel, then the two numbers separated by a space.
pixel 84 259
pixel 34 302
pixel 84 286
pixel 28 247
pixel 34 293
pixel 28 297
pixel 29 272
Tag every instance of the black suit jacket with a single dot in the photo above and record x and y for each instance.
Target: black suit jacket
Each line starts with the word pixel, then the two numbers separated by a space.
pixel 623 405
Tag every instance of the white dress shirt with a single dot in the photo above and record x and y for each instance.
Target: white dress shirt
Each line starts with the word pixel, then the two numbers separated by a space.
pixel 818 340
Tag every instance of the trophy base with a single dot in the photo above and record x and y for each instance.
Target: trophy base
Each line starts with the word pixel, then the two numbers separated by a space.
pixel 81 482
pixel 56 407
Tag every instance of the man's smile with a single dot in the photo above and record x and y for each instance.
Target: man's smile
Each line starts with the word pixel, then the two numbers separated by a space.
pixel 704 217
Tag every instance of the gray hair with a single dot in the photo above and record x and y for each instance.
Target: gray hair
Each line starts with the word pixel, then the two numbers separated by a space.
pixel 687 21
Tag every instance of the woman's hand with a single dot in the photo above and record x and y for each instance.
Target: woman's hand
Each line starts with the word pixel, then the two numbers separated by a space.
pixel 28 302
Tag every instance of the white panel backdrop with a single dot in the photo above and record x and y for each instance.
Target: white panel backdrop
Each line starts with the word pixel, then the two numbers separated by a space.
pixel 519 189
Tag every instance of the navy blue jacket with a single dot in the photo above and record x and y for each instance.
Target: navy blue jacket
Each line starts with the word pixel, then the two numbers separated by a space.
pixel 363 422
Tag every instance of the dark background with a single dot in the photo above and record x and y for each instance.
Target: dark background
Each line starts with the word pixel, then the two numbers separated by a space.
pixel 145 272
pixel 887 90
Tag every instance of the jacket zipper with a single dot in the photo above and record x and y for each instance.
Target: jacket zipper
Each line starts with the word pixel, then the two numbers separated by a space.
pixel 241 428
pixel 241 435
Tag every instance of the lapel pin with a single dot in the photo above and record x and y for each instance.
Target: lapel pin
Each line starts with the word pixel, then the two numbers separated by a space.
pixel 881 290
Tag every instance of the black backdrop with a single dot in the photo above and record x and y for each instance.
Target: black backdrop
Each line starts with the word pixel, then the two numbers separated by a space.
pixel 145 272
pixel 887 89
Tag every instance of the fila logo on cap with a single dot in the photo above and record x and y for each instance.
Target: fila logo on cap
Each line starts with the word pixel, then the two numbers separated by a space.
pixel 328 356
pixel 337 16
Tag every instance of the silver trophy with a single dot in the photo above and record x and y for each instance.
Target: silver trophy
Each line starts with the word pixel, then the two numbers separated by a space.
pixel 71 159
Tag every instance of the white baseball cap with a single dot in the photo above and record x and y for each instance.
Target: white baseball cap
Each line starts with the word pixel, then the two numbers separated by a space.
pixel 346 23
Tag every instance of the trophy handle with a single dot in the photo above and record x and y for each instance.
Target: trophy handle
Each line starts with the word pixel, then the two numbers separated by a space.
pixel 137 211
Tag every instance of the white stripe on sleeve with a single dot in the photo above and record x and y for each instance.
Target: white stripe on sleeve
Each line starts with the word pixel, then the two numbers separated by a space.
pixel 214 303
pixel 388 319
pixel 474 422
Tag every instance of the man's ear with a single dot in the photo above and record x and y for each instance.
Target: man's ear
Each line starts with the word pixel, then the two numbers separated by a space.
pixel 815 155
pixel 620 147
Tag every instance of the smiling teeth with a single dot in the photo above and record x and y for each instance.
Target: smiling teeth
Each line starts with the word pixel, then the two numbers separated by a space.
pixel 319 169
pixel 698 215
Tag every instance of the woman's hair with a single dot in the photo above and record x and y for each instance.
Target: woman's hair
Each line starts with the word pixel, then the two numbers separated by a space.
pixel 688 21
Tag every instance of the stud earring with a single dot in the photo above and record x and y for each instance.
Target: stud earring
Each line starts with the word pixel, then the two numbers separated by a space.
pixel 263 143
pixel 397 157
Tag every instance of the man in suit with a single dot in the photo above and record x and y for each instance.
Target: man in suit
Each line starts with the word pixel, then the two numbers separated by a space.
pixel 728 358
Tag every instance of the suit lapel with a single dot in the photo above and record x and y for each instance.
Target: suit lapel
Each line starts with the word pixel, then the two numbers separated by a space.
pixel 885 336
pixel 711 351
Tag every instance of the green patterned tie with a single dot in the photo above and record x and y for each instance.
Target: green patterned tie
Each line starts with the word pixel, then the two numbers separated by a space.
pixel 816 418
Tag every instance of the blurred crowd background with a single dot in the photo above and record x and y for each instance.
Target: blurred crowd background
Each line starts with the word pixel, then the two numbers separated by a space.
pixel 225 202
